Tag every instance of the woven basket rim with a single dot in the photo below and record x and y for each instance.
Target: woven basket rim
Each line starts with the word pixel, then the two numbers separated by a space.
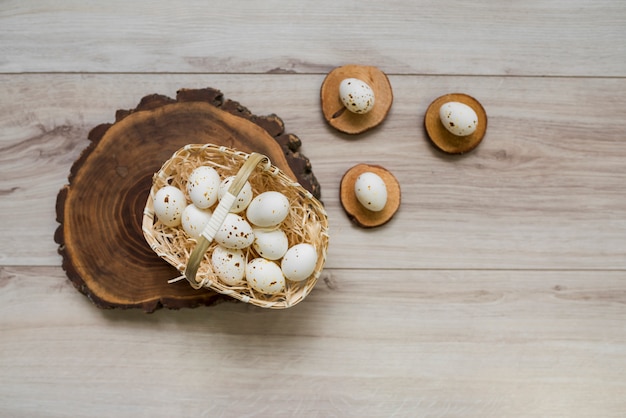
pixel 309 208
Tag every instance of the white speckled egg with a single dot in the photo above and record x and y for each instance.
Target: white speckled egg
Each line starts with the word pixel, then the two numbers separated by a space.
pixel 270 244
pixel 229 265
pixel 243 198
pixel 356 95
pixel 202 186
pixel 265 276
pixel 458 118
pixel 194 220
pixel 169 204
pixel 299 262
pixel 268 209
pixel 235 233
pixel 371 191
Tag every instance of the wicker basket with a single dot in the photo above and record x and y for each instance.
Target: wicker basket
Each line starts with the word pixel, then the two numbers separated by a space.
pixel 306 222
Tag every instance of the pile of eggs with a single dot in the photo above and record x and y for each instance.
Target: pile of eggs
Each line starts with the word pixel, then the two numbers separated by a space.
pixel 253 222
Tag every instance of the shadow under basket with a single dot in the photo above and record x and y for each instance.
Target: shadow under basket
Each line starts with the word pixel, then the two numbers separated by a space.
pixel 306 222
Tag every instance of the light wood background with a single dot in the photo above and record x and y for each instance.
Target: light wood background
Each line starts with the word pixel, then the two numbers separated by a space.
pixel 498 290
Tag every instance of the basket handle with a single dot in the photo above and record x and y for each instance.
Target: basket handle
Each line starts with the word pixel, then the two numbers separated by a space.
pixel 219 215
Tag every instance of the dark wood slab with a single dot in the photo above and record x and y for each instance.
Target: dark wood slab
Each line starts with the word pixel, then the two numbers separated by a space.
pixel 104 252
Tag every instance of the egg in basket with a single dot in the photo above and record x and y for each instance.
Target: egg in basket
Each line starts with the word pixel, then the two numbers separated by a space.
pixel 234 223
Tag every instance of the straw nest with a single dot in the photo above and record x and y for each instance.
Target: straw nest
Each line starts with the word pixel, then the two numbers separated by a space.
pixel 306 222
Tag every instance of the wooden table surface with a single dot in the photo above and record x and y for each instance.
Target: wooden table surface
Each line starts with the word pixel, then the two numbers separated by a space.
pixel 498 289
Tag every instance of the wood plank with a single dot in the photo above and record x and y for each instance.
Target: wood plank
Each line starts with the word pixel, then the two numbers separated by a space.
pixel 365 343
pixel 497 289
pixel 545 190
pixel 559 37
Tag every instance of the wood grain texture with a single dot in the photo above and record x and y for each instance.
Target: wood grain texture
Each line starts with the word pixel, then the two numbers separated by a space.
pixel 558 37
pixel 100 210
pixel 545 189
pixel 365 343
pixel 439 134
pixel 351 204
pixel 497 290
pixel 338 115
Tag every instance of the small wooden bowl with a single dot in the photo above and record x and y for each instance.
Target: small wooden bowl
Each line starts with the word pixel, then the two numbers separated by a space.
pixel 358 213
pixel 444 139
pixel 341 118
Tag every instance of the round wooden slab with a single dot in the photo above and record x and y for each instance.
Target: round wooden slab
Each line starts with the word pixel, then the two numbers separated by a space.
pixel 444 139
pixel 356 211
pixel 100 211
pixel 336 113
